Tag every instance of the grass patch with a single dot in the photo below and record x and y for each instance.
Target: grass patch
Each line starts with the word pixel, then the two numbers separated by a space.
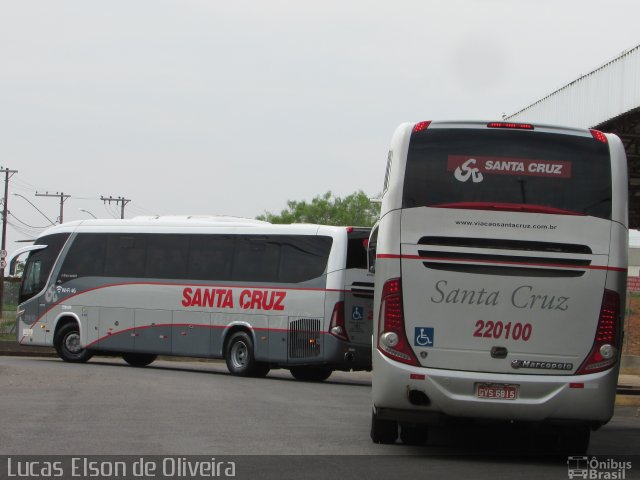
pixel 6 326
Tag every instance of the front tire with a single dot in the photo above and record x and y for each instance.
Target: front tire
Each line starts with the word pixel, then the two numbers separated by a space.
pixel 67 344
pixel 311 374
pixel 139 359
pixel 240 357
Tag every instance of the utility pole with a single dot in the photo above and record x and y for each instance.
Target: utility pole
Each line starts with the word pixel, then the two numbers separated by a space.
pixel 7 175
pixel 62 196
pixel 117 200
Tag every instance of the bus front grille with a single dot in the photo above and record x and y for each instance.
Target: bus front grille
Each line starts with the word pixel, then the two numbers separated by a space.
pixel 304 338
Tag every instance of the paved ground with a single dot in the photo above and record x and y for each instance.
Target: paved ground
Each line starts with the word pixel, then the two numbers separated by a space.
pixel 186 408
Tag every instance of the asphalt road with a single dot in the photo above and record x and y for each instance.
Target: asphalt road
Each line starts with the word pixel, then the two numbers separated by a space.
pixel 105 407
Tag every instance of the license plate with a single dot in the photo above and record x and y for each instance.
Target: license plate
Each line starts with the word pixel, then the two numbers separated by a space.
pixel 495 391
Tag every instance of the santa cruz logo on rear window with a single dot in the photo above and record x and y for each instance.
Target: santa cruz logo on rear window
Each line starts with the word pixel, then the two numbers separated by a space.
pixel 468 170
pixel 474 168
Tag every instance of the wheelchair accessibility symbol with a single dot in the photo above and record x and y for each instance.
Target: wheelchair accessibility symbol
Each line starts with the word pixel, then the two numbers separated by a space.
pixel 423 337
pixel 357 313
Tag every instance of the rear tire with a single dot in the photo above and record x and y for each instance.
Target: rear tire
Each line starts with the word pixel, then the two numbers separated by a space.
pixel 573 440
pixel 311 374
pixel 413 434
pixel 139 359
pixel 67 344
pixel 240 357
pixel 383 431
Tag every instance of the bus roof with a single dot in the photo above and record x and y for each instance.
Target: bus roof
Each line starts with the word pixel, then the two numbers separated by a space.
pixel 192 224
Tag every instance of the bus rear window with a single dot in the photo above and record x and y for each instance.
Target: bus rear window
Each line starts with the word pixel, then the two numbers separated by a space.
pixel 469 168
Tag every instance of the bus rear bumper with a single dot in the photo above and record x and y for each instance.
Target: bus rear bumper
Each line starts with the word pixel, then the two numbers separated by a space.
pixel 346 356
pixel 430 396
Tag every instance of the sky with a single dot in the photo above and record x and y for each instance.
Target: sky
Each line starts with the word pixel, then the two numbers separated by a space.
pixel 211 107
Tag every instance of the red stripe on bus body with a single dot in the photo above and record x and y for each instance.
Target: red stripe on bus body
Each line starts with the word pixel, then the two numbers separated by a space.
pixel 497 262
pixel 145 327
pixel 110 285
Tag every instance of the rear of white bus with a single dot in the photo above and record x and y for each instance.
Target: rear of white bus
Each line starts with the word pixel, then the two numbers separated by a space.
pixel 500 278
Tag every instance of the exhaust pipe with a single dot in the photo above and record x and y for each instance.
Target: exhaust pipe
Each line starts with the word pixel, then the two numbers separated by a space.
pixel 418 397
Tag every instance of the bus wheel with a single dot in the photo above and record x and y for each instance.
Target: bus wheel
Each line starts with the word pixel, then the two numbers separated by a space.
pixel 311 374
pixel 413 434
pixel 383 431
pixel 67 344
pixel 240 357
pixel 139 359
pixel 573 440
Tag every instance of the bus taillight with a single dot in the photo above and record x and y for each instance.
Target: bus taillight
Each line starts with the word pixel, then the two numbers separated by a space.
pixel 604 352
pixel 337 326
pixel 392 339
pixel 420 126
pixel 515 126
pixel 598 135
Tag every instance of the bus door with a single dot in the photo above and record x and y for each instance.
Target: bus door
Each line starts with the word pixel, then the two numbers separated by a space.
pixel 358 306
pixel 358 288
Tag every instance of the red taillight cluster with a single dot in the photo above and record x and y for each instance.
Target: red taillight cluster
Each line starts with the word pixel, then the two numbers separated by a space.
pixel 420 126
pixel 604 352
pixel 392 339
pixel 598 135
pixel 337 327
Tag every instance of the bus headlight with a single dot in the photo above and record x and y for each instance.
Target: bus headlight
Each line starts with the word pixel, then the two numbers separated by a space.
pixel 389 339
pixel 607 351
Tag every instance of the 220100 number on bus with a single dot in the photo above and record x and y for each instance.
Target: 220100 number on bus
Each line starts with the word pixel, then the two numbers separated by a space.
pixel 513 331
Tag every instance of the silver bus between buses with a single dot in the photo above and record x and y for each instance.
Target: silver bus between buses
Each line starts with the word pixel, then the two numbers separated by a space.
pixel 500 279
pixel 260 296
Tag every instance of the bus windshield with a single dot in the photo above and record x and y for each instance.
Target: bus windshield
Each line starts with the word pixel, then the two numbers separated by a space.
pixel 39 265
pixel 509 171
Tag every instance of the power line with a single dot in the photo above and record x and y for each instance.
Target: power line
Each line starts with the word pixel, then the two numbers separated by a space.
pixel 26 224
pixel 39 211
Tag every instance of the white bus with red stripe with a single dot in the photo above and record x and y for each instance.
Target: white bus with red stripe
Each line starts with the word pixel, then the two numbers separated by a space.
pixel 260 296
pixel 500 278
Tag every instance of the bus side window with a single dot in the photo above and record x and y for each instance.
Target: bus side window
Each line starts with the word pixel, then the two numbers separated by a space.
pixel 371 250
pixel 85 258
pixel 126 255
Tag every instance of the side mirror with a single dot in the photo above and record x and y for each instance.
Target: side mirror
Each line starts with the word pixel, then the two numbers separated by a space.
pixel 371 250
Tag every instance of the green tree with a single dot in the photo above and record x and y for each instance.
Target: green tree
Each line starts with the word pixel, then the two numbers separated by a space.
pixel 353 210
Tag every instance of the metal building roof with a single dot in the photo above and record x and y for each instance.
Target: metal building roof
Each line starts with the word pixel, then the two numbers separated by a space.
pixel 607 99
pixel 601 95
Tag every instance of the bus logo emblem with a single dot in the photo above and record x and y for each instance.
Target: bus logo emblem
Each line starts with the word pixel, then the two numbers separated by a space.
pixel 468 170
pixel 423 337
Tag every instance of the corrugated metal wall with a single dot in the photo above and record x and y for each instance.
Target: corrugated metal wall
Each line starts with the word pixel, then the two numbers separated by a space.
pixel 601 95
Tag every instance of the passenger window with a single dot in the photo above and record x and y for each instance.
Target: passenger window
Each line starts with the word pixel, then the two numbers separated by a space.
pixel 210 257
pixel 125 255
pixel 167 256
pixel 256 259
pixel 85 258
pixel 303 258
